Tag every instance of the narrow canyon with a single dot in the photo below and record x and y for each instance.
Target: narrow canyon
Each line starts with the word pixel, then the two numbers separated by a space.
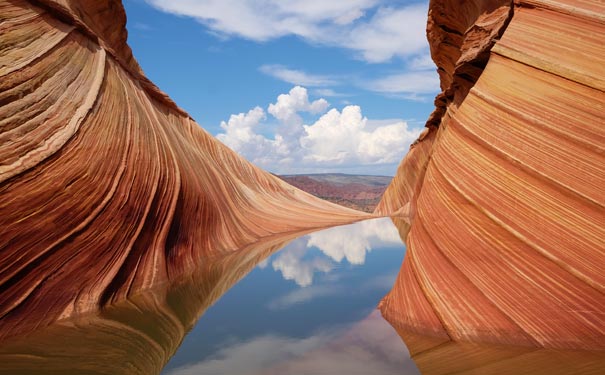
pixel 108 189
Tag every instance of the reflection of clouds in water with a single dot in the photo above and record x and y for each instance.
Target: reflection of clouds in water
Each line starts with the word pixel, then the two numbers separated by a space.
pixel 337 245
pixel 292 266
pixel 250 357
pixel 350 242
pixel 303 295
pixel 368 347
pixel 353 241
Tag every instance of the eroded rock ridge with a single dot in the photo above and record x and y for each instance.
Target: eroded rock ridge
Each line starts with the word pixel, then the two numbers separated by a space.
pixel 503 193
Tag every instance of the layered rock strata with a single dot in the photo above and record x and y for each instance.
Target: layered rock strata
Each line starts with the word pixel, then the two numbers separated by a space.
pixel 455 357
pixel 108 188
pixel 504 192
pixel 137 335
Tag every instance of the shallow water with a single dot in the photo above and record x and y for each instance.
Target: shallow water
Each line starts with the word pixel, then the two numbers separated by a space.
pixel 284 305
pixel 309 308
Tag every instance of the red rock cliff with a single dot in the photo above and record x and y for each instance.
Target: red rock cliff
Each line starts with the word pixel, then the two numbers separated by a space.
pixel 503 193
pixel 138 335
pixel 106 186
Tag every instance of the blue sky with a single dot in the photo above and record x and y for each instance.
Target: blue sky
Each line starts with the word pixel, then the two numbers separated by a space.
pixel 294 86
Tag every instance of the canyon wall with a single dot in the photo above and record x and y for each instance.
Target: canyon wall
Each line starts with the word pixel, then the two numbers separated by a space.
pixel 137 335
pixel 502 197
pixel 107 188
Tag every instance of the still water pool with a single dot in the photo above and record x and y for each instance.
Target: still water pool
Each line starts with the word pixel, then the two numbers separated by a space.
pixel 284 305
pixel 310 308
pixel 281 306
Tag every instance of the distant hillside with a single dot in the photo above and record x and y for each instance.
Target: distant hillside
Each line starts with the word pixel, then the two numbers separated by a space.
pixel 359 192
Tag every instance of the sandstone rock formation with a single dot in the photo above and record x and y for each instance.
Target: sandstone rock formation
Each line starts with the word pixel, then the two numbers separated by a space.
pixel 108 188
pixel 455 357
pixel 138 335
pixel 504 193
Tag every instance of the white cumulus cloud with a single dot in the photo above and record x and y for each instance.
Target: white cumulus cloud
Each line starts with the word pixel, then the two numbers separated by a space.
pixel 336 141
pixel 240 134
pixel 297 100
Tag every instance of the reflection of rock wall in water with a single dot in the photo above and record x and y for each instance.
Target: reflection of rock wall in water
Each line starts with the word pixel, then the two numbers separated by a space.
pixel 106 186
pixel 455 357
pixel 137 335
pixel 505 189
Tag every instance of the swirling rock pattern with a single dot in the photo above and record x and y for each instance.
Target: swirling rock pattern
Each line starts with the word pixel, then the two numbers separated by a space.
pixel 455 357
pixel 137 335
pixel 108 188
pixel 505 193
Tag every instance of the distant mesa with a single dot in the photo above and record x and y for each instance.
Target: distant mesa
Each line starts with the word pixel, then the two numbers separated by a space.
pixel 359 192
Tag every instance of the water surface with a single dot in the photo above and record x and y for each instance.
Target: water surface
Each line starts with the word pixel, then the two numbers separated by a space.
pixel 309 308
pixel 283 305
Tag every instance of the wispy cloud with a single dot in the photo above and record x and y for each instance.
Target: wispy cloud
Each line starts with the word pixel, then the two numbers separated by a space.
pixel 142 26
pixel 252 356
pixel 412 85
pixel 375 30
pixel 392 32
pixel 304 295
pixel 422 62
pixel 329 93
pixel 416 81
pixel 296 77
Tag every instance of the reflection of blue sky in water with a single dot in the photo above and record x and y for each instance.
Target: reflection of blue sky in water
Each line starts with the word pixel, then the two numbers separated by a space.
pixel 350 243
pixel 367 348
pixel 308 309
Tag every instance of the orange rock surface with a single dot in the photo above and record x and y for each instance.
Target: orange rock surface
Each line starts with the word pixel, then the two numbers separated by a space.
pixel 137 335
pixel 455 357
pixel 504 194
pixel 108 188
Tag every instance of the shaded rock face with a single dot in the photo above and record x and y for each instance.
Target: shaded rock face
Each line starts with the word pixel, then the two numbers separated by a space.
pixel 455 357
pixel 503 194
pixel 137 335
pixel 107 188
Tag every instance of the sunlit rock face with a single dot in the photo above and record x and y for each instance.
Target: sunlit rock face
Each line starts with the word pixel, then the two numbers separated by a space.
pixel 106 186
pixel 503 194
